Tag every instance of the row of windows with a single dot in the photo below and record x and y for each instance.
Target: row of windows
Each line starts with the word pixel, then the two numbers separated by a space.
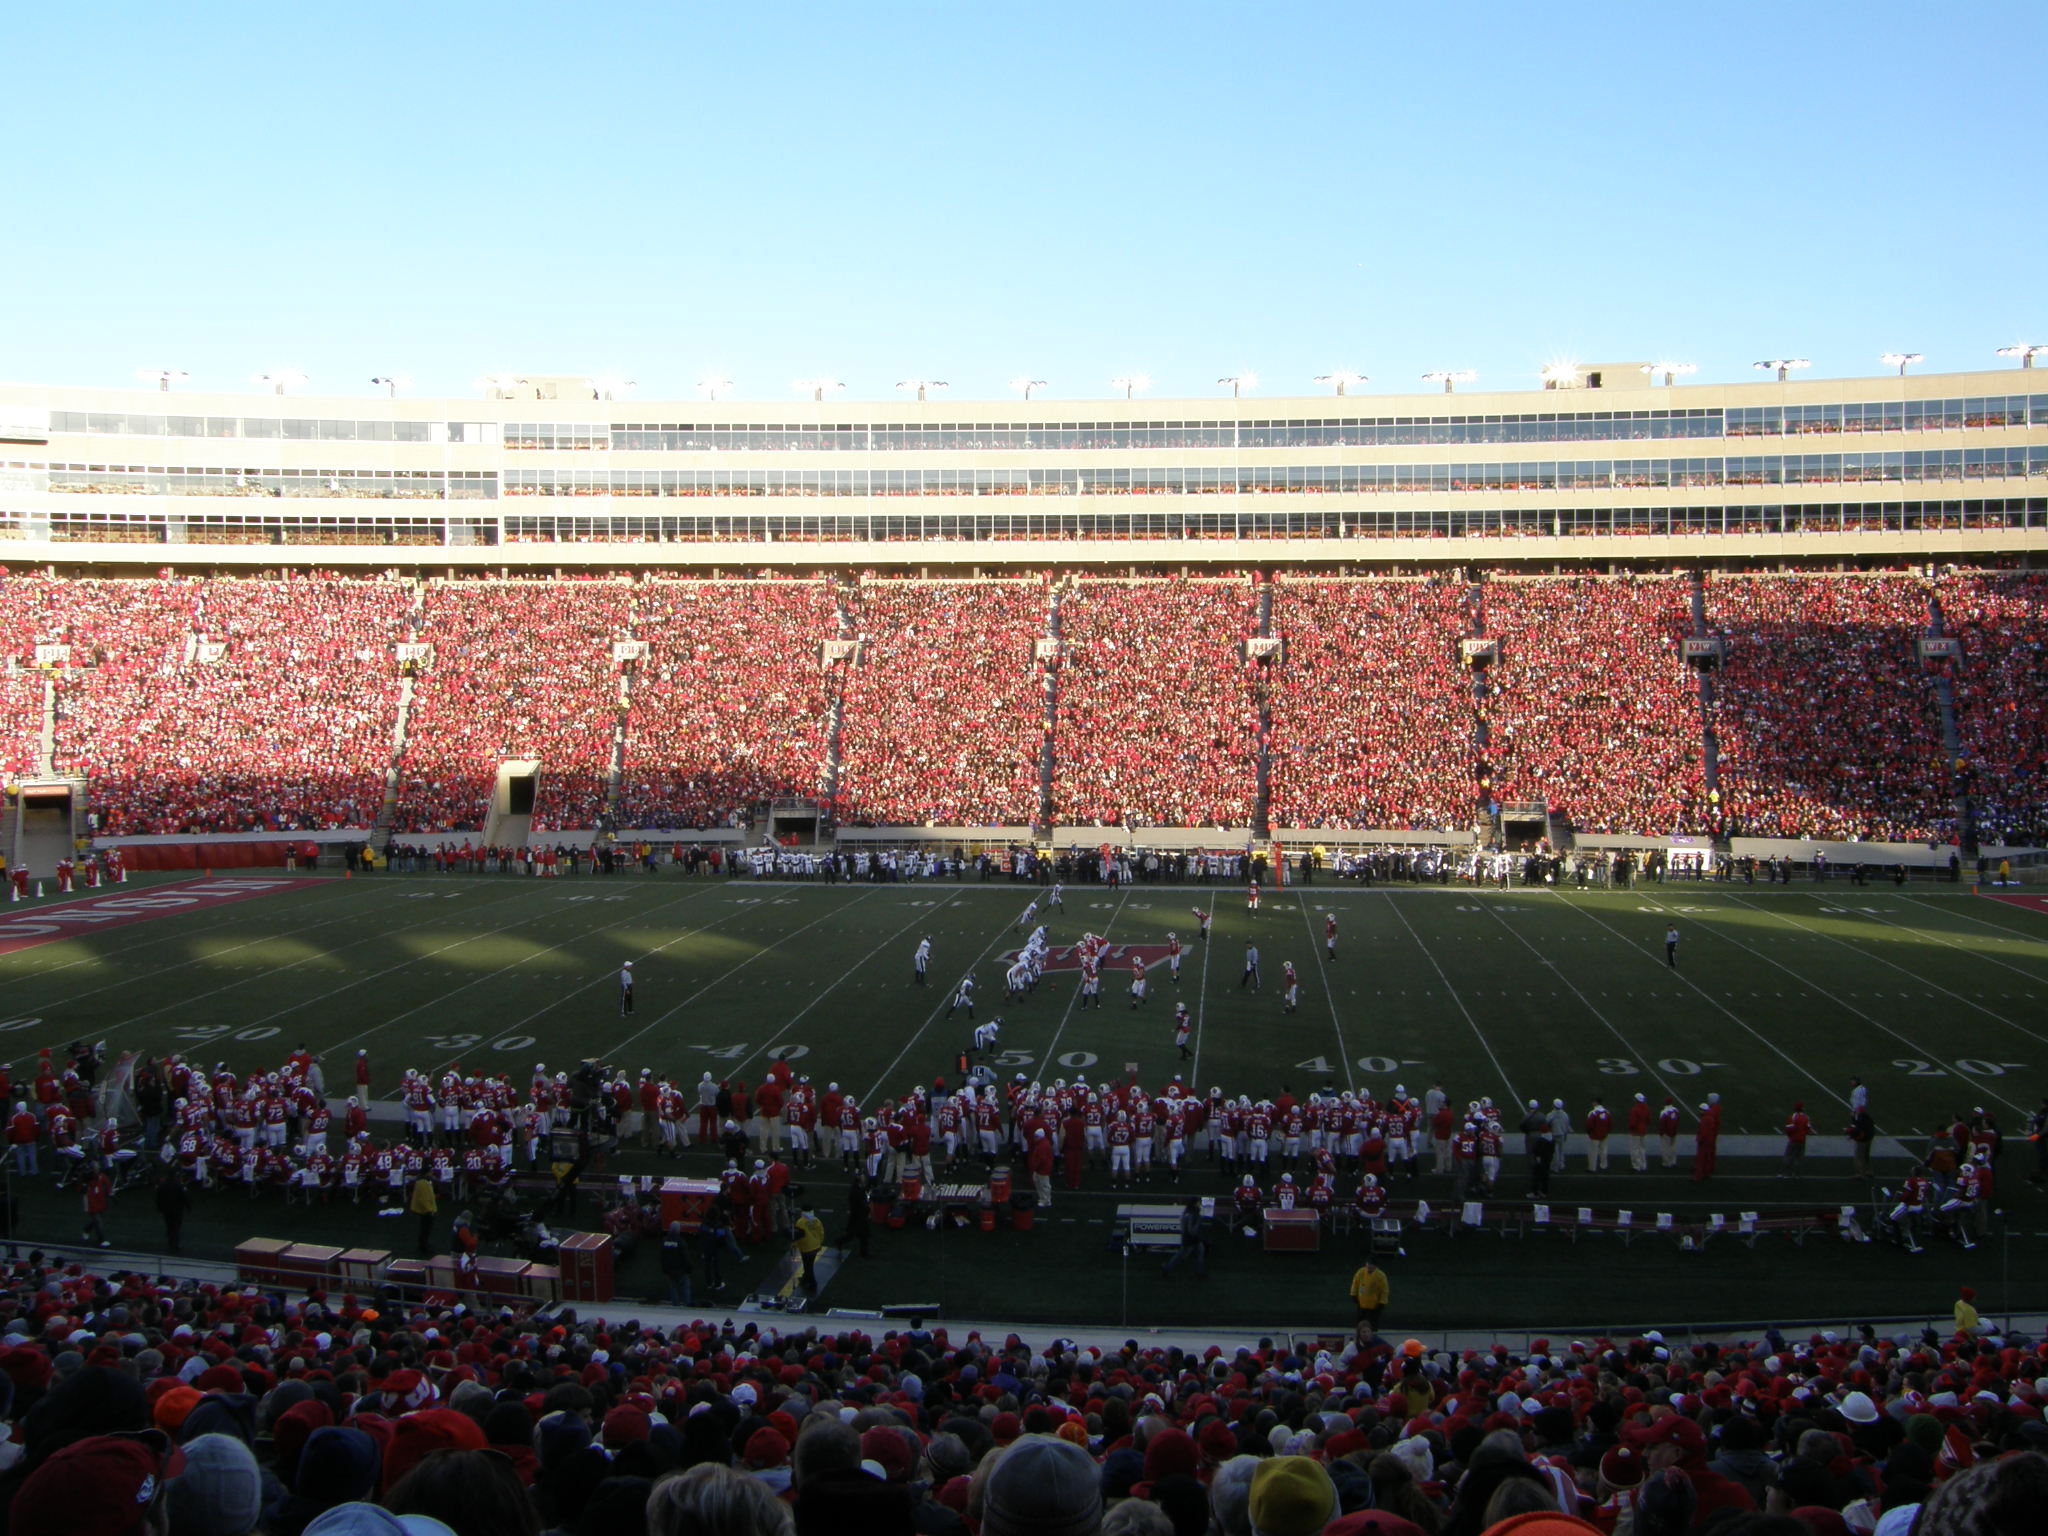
pixel 1340 479
pixel 295 428
pixel 400 484
pixel 1994 411
pixel 1866 517
pixel 1896 467
pixel 1280 522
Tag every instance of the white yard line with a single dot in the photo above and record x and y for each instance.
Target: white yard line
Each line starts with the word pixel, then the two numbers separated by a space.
pixel 936 1014
pixel 474 981
pixel 1587 1003
pixel 225 917
pixel 1052 1051
pixel 186 1002
pixel 1477 1034
pixel 1904 971
pixel 729 971
pixel 1323 969
pixel 878 953
pixel 1201 1012
pixel 1935 934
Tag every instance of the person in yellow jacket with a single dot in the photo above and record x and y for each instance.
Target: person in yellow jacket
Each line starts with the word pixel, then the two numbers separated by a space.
pixel 810 1239
pixel 1369 1290
pixel 426 1207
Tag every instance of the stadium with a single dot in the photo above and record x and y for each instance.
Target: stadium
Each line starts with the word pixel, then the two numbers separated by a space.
pixel 1489 690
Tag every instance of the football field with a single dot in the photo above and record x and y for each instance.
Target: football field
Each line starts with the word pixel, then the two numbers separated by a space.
pixel 1780 995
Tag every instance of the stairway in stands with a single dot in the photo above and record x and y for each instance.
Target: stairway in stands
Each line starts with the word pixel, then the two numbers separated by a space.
pixel 1048 738
pixel 1262 692
pixel 46 748
pixel 844 594
pixel 1710 744
pixel 1951 736
pixel 387 812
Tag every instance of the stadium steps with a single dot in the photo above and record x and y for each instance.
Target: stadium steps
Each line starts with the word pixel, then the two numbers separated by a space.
pixel 387 813
pixel 1951 735
pixel 1262 765
pixel 46 747
pixel 1703 679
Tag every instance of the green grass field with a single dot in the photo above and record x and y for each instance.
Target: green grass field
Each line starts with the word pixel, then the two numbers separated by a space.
pixel 1933 996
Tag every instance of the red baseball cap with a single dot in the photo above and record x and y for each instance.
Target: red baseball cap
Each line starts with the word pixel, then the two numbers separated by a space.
pixel 105 1485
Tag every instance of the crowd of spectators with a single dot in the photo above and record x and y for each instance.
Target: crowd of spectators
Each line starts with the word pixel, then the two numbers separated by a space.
pixel 1157 723
pixel 222 704
pixel 520 669
pixel 1372 715
pixel 731 705
pixel 2001 697
pixel 1592 706
pixel 140 1404
pixel 269 703
pixel 945 712
pixel 1825 718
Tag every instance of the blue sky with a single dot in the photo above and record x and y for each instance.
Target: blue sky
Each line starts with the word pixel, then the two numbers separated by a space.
pixel 974 192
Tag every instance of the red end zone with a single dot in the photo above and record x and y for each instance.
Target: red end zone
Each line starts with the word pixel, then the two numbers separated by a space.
pixel 2030 902
pixel 45 925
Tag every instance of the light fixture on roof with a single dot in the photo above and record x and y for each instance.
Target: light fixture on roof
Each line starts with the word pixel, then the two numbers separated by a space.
pixel 1669 370
pixel 499 385
pixel 162 378
pixel 819 387
pixel 2024 352
pixel 1900 360
pixel 1450 378
pixel 1025 386
pixel 1342 379
pixel 1562 376
pixel 609 386
pixel 1780 366
pixel 1239 383
pixel 393 383
pixel 922 385
pixel 282 379
pixel 1130 383
pixel 715 387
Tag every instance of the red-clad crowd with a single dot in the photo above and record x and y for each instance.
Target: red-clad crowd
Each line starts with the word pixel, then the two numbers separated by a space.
pixel 731 703
pixel 520 669
pixel 1592 707
pixel 945 711
pixel 2001 697
pixel 212 704
pixel 1157 723
pixel 232 704
pixel 1825 717
pixel 1372 715
pixel 138 1405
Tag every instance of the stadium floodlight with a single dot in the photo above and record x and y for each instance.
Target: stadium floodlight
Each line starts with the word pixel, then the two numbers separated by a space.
pixel 609 386
pixel 282 379
pixel 2024 352
pixel 1901 361
pixel 1669 370
pixel 1130 383
pixel 1342 379
pixel 393 383
pixel 819 387
pixel 161 377
pixel 1450 378
pixel 715 387
pixel 1562 376
pixel 1239 383
pixel 1780 366
pixel 922 385
pixel 1025 386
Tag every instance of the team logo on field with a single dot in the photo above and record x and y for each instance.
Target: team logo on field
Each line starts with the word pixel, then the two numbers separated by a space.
pixel 1118 957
